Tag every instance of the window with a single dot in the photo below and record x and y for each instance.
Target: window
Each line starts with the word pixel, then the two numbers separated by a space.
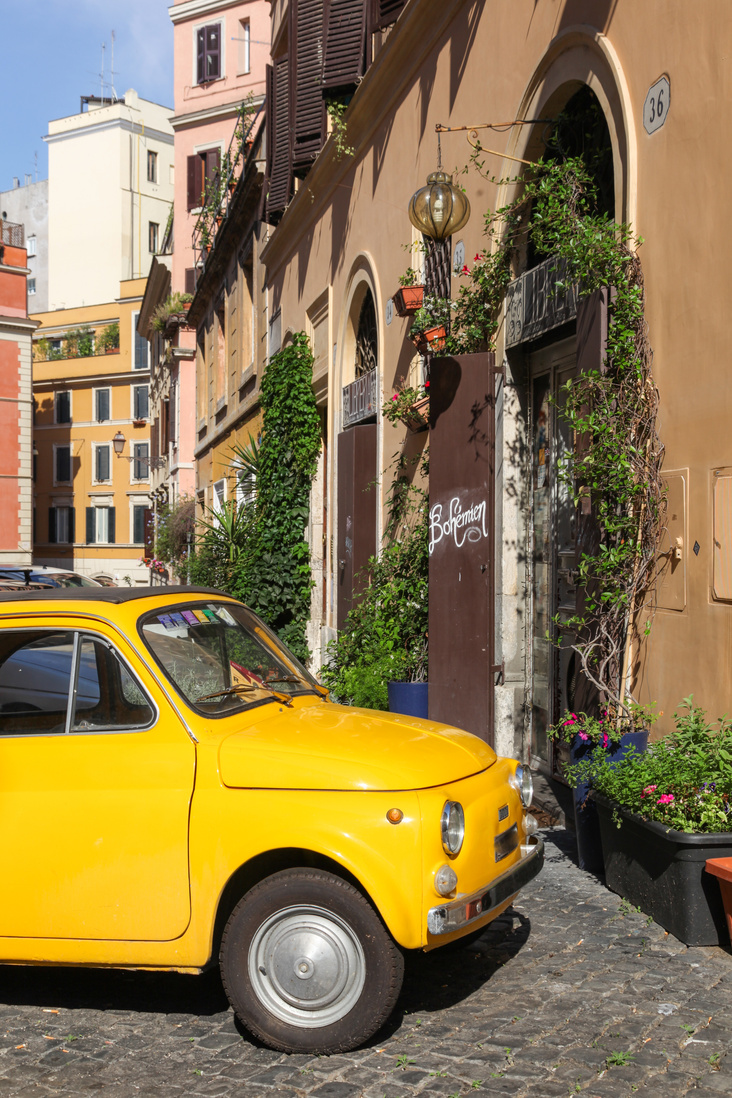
pixel 102 400
pixel 61 526
pixel 62 464
pixel 152 237
pixel 152 167
pixel 62 407
pixel 31 246
pixel 208 53
pixel 139 513
pixel 202 169
pixel 219 494
pixel 244 45
pixel 141 461
pixel 101 462
pixel 141 346
pixel 100 525
pixel 190 280
pixel 31 286
pixel 140 402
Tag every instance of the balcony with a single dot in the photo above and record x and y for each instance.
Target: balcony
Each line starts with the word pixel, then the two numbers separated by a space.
pixel 11 234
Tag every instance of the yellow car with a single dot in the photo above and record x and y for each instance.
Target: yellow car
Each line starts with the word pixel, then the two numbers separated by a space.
pixel 176 789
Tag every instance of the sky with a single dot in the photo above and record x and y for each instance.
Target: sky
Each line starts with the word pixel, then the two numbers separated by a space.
pixel 51 54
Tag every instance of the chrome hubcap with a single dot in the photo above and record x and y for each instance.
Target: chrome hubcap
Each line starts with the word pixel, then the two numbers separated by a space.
pixel 306 966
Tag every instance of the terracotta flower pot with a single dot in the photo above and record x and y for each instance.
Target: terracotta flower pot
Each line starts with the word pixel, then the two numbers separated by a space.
pixel 408 299
pixel 432 339
pixel 417 418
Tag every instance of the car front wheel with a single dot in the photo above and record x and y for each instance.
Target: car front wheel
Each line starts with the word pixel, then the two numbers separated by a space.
pixel 308 965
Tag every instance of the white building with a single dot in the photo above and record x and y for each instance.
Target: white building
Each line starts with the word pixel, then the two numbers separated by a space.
pixel 110 172
pixel 27 205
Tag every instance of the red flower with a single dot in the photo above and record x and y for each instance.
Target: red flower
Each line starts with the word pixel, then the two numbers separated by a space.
pixel 477 258
pixel 426 384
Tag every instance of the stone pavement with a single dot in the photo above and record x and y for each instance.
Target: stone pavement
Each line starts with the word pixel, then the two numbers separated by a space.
pixel 574 992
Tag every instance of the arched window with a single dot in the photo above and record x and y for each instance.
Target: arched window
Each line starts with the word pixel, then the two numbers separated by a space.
pixel 366 337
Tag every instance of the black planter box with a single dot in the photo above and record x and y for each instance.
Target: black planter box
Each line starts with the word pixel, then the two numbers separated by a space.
pixel 662 872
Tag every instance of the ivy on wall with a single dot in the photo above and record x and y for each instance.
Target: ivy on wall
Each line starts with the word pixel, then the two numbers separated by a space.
pixel 272 574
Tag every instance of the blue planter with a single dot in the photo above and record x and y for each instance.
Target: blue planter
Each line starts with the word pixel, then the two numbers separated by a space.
pixel 409 698
pixel 586 822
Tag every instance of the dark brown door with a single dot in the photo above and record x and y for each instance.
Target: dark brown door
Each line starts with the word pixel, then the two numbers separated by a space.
pixel 356 511
pixel 462 493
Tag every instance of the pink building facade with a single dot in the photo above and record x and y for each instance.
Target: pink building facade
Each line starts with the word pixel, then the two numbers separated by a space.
pixel 16 400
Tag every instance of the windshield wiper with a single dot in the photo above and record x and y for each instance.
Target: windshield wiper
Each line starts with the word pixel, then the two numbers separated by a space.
pixel 314 687
pixel 241 687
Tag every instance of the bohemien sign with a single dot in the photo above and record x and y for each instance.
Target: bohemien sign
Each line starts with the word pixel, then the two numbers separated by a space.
pixel 541 299
pixel 451 521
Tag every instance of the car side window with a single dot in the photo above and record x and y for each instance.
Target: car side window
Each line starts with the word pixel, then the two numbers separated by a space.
pixel 35 681
pixel 106 696
pixel 43 674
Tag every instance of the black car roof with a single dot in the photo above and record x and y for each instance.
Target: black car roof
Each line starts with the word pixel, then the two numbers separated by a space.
pixel 106 594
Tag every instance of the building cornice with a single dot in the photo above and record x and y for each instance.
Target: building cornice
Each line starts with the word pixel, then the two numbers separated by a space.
pixel 17 324
pixel 85 380
pixel 210 114
pixel 125 124
pixel 15 270
pixel 420 28
pixel 193 9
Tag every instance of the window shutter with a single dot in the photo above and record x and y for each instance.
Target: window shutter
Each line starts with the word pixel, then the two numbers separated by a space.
pixel 281 175
pixel 102 463
pixel 72 524
pixel 306 38
pixel 90 539
pixel 201 55
pixel 213 164
pixel 190 279
pixel 345 44
pixel 52 525
pixel 63 407
pixel 63 465
pixel 194 169
pixel 213 52
pixel 111 527
pixel 102 405
pixel 141 349
pixel 385 12
pixel 171 417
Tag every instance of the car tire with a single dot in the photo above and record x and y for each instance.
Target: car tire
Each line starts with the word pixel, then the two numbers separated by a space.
pixel 308 965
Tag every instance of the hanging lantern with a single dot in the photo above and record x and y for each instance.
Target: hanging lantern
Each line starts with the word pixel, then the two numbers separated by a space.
pixel 439 209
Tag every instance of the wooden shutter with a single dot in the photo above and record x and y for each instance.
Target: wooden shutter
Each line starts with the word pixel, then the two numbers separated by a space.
pixel 72 524
pixel 195 166
pixel 213 51
pixel 90 531
pixel 306 47
pixel 385 12
pixel 190 280
pixel 63 464
pixel 111 525
pixel 52 525
pixel 281 174
pixel 344 61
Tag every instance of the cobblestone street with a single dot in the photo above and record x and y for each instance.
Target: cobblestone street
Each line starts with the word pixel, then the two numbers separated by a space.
pixel 572 992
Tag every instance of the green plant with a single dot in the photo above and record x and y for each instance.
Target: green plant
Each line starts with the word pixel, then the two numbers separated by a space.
pixel 385 636
pixel 434 313
pixel 42 350
pixel 619 1059
pixel 409 278
pixel 175 533
pixel 611 411
pixel 273 577
pixel 683 781
pixel 171 307
pixel 109 337
pixel 339 128
pixel 401 404
pixel 606 729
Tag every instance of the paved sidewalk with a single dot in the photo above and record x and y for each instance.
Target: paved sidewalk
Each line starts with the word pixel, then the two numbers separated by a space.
pixel 572 993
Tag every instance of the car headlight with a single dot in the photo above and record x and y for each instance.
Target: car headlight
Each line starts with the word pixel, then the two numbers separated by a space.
pixel 523 783
pixel 452 827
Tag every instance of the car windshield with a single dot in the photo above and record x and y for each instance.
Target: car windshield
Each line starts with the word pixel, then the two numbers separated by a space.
pixel 65 579
pixel 222 658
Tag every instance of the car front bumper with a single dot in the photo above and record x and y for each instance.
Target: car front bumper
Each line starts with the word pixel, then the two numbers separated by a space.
pixel 459 913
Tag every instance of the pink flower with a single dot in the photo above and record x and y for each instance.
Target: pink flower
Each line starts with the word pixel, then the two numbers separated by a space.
pixel 667 798
pixel 395 397
pixel 465 270
pixel 648 790
pixel 571 720
pixel 605 739
pixel 583 736
pixel 477 258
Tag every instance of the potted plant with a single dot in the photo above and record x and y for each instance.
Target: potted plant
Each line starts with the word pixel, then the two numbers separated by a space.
pixel 614 736
pixel 410 295
pixel 428 331
pixel 410 405
pixel 42 350
pixel 171 311
pixel 662 815
pixel 109 338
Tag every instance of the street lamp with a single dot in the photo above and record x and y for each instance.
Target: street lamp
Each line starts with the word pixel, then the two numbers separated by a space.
pixel 119 443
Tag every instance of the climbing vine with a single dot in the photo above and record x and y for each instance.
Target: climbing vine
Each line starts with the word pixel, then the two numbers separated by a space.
pixel 273 574
pixel 614 473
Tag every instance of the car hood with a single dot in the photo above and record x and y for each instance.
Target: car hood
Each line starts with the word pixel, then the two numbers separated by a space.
pixel 328 746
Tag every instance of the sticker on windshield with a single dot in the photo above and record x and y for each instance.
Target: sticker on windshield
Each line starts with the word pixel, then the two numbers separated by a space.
pixel 167 621
pixel 225 615
pixel 190 617
pixel 210 616
pixel 178 619
pixel 200 616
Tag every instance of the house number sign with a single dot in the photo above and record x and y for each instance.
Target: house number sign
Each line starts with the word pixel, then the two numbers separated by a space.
pixel 655 108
